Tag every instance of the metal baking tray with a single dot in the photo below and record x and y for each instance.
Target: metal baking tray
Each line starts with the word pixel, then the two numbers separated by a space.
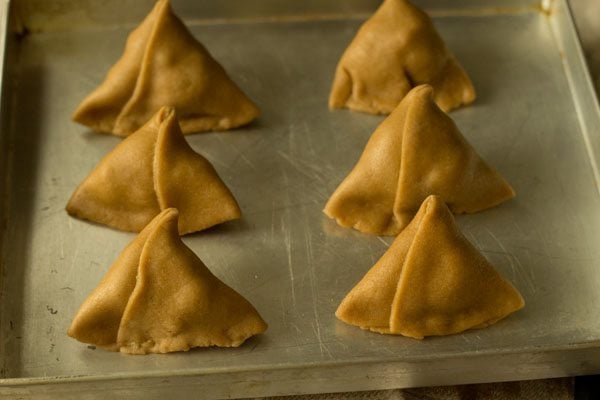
pixel 536 119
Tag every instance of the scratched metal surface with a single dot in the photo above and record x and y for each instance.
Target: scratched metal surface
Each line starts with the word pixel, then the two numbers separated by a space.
pixel 284 255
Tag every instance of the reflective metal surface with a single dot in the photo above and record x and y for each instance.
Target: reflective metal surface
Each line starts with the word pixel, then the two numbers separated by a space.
pixel 535 120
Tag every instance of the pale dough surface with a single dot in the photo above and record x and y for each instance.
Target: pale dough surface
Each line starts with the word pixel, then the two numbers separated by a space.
pixel 151 170
pixel 395 50
pixel 159 297
pixel 430 282
pixel 164 65
pixel 415 152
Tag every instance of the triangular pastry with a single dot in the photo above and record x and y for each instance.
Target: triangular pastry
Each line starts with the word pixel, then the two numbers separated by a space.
pixel 164 65
pixel 151 170
pixel 415 152
pixel 394 50
pixel 430 282
pixel 159 297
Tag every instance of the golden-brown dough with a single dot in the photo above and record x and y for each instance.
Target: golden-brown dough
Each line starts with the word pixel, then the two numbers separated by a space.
pixel 164 65
pixel 396 49
pixel 151 170
pixel 415 152
pixel 430 282
pixel 159 297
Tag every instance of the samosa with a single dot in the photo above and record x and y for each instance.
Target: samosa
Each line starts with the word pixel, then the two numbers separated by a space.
pixel 395 50
pixel 159 297
pixel 164 65
pixel 151 170
pixel 415 152
pixel 430 282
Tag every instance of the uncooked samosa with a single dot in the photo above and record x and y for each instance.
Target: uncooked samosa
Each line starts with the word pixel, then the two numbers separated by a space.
pixel 415 152
pixel 396 49
pixel 163 64
pixel 430 282
pixel 151 170
pixel 159 297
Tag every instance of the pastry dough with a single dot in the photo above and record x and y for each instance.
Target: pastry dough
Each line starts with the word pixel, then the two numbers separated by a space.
pixel 396 49
pixel 431 281
pixel 415 152
pixel 164 65
pixel 158 297
pixel 151 170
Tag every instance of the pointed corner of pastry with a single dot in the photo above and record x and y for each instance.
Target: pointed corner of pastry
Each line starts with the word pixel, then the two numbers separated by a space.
pixel 167 122
pixel 72 207
pixel 419 99
pixel 432 207
pixel 469 95
pixel 398 5
pixel 333 102
pixel 72 331
pixel 153 124
pixel 252 110
pixel 261 325
pixel 353 311
pixel 331 212
pixel 454 88
pixel 341 89
pixel 334 105
pixel 425 91
pixel 252 325
pixel 85 329
pixel 435 208
pixel 510 192
pixel 503 190
pixel 77 204
pixel 77 333
pixel 165 113
pixel 507 192
pixel 341 311
pixel 245 112
pixel 326 210
pixel 87 114
pixel 81 329
pixel 121 131
pixel 79 114
pixel 431 202
pixel 159 10
pixel 250 113
pixel 420 96
pixel 514 301
pixel 519 300
pixel 235 212
pixel 168 218
pixel 161 6
pixel 434 204
pixel 344 313
pixel 168 214
pixel 229 211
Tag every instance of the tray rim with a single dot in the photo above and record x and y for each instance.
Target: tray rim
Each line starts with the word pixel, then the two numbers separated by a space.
pixel 584 95
pixel 380 375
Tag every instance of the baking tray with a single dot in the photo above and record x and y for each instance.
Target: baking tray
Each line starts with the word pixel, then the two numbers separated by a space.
pixel 536 119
